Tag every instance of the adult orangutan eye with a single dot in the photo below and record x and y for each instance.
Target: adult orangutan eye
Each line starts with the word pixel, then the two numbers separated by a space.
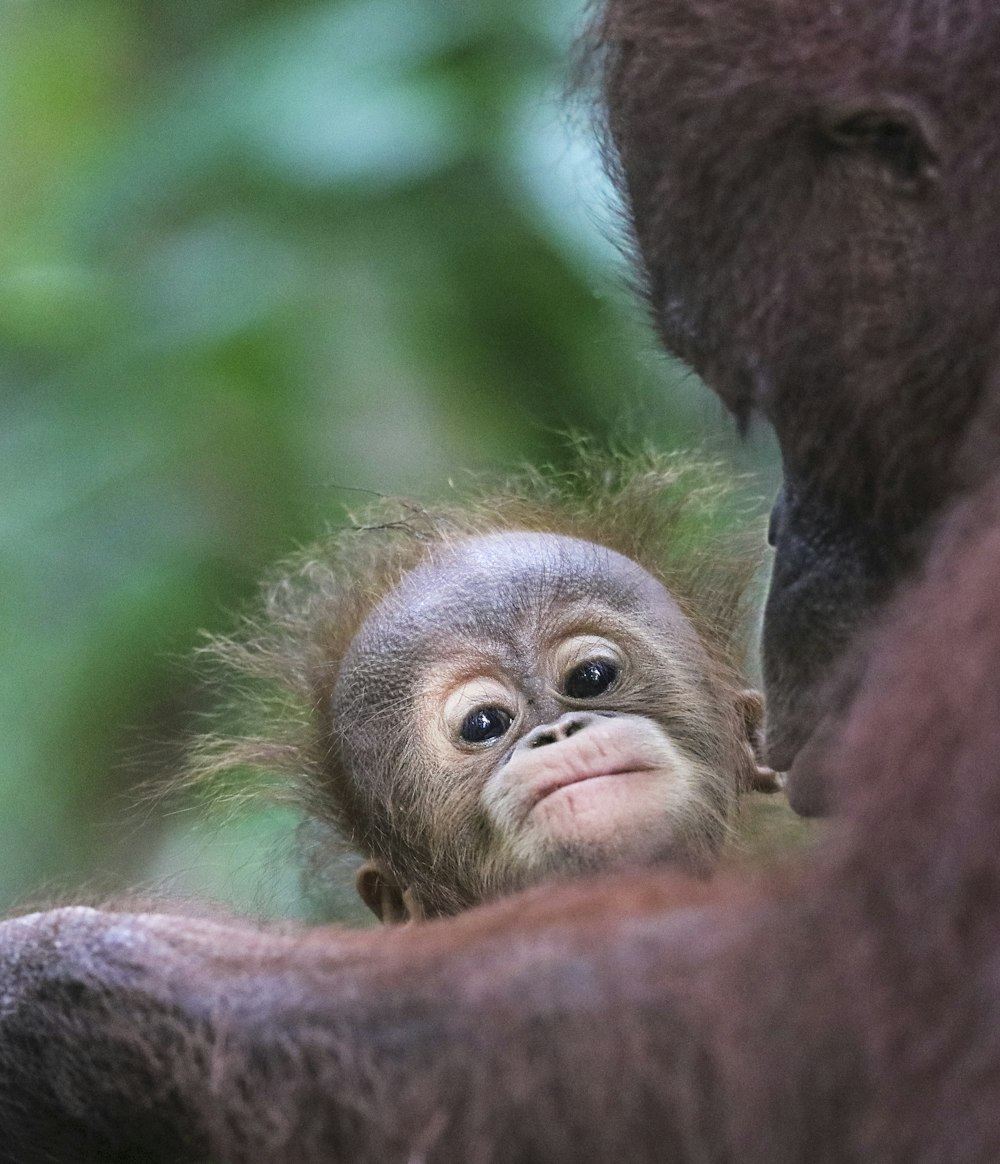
pixel 894 138
pixel 591 678
pixel 485 724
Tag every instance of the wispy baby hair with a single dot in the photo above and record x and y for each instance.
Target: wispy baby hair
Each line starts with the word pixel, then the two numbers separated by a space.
pixel 673 514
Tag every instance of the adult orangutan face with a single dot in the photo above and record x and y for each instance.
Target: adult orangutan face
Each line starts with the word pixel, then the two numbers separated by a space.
pixel 820 234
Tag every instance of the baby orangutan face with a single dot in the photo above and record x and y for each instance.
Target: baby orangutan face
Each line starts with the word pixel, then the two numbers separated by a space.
pixel 524 706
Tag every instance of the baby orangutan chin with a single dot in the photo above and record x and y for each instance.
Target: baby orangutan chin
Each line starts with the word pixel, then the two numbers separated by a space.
pixel 494 703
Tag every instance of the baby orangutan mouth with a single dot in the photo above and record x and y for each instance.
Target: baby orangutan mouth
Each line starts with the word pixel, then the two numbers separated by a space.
pixel 602 747
pixel 588 775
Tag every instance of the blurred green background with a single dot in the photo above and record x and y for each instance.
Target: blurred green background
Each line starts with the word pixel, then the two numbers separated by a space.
pixel 252 254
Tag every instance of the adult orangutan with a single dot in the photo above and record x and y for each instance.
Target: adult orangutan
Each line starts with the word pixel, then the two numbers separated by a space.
pixel 816 197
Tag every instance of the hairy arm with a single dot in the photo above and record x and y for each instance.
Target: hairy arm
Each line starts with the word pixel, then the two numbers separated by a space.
pixel 158 1037
pixel 155 1037
pixel 93 1035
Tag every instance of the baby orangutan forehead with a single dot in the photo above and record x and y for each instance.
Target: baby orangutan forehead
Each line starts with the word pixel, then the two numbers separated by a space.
pixel 495 584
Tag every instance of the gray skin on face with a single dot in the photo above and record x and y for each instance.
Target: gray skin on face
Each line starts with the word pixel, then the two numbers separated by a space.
pixel 499 620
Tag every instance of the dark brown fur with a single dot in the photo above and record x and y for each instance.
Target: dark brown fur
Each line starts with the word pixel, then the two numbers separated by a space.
pixel 845 1010
pixel 814 203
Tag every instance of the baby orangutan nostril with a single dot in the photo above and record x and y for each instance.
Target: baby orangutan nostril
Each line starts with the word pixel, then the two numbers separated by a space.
pixel 562 729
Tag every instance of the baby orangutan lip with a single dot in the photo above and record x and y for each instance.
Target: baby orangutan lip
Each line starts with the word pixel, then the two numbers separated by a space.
pixel 588 761
pixel 580 777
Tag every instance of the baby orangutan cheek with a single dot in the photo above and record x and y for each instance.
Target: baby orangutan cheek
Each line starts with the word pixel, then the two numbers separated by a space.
pixel 615 791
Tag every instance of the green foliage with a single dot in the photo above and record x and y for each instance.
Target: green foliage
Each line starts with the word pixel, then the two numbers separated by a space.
pixel 251 253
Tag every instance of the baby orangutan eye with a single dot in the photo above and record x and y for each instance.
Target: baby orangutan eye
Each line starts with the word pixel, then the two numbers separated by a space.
pixel 591 678
pixel 484 724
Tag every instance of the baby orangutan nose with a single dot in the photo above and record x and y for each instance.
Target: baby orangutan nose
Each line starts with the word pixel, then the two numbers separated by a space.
pixel 551 733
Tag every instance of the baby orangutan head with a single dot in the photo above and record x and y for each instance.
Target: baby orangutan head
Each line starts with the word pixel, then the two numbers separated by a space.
pixel 528 704
pixel 513 704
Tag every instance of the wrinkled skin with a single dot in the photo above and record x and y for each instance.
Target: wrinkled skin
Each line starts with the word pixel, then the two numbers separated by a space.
pixel 844 1010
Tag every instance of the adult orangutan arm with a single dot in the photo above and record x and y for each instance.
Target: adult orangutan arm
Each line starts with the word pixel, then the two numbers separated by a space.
pixel 156 1037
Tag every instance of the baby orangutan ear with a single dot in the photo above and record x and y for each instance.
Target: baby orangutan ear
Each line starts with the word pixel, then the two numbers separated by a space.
pixel 750 708
pixel 384 896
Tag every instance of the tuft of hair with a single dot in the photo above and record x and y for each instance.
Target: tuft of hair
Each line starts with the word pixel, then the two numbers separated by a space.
pixel 677 516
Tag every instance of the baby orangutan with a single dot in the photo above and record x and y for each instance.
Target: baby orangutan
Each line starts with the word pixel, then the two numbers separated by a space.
pixel 495 703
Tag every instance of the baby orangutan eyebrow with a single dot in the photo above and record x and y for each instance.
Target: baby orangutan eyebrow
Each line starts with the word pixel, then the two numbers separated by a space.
pixel 505 691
